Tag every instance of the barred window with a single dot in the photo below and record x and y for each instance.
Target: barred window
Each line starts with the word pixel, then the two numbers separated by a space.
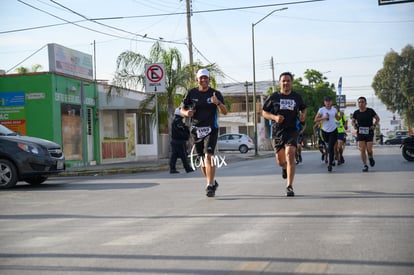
pixel 144 129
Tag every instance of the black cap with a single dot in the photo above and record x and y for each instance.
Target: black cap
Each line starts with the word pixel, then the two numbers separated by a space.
pixel 327 98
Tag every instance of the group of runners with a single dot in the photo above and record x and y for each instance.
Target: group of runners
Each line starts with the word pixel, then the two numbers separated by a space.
pixel 330 127
pixel 332 136
pixel 287 111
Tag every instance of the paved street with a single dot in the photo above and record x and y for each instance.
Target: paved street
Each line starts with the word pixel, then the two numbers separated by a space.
pixel 344 222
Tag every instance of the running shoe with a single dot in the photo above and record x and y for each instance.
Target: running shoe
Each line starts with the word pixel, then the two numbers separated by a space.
pixel 289 191
pixel 174 172
pixel 210 191
pixel 329 168
pixel 365 169
pixel 284 173
pixel 372 162
pixel 342 159
pixel 216 185
pixel 300 158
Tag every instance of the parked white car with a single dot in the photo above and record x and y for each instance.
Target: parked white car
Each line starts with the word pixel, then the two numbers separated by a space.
pixel 235 142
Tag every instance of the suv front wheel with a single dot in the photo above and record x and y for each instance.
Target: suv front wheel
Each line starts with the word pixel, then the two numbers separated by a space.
pixel 8 174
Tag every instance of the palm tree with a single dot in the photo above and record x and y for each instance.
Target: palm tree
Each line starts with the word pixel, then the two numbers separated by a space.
pixel 24 70
pixel 130 73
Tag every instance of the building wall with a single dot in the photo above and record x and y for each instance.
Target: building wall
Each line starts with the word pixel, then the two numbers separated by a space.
pixel 119 113
pixel 51 110
pixel 71 111
pixel 36 114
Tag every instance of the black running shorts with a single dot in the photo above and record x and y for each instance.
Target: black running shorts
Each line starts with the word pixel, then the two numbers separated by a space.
pixel 287 137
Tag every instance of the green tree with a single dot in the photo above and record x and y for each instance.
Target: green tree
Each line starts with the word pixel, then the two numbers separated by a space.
pixel 130 73
pixel 394 83
pixel 24 70
pixel 36 67
pixel 314 77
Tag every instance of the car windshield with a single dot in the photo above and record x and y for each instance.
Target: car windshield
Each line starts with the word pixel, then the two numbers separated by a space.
pixel 4 131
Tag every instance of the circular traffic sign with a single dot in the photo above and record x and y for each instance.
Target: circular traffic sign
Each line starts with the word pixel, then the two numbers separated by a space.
pixel 155 73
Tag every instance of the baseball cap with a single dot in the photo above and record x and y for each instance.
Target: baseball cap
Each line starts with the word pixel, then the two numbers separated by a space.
pixel 203 72
pixel 327 98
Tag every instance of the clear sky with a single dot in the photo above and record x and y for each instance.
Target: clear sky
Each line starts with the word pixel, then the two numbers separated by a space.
pixel 347 38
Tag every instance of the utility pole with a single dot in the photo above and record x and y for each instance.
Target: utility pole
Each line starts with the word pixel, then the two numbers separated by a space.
pixel 254 79
pixel 247 103
pixel 190 40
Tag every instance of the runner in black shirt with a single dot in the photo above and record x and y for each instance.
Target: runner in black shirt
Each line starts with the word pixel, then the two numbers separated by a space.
pixel 202 104
pixel 362 121
pixel 283 109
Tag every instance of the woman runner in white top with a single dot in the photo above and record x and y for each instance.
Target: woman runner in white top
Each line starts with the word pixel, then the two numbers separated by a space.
pixel 327 115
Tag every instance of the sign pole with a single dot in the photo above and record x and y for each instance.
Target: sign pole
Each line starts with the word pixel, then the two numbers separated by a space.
pixel 340 91
pixel 156 107
pixel 155 81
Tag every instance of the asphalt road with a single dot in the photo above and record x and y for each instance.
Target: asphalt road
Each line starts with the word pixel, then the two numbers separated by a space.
pixel 344 222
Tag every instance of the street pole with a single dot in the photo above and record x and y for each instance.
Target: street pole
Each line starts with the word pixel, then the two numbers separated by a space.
pixel 247 105
pixel 340 91
pixel 272 65
pixel 254 79
pixel 190 39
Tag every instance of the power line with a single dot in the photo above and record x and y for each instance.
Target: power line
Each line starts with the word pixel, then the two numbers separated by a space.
pixel 93 30
pixel 67 21
pixel 221 10
pixel 111 27
pixel 26 58
pixel 152 15
pixel 333 59
pixel 348 22
pixel 41 27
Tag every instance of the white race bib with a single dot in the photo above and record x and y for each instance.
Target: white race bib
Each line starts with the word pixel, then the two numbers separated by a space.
pixel 363 130
pixel 203 132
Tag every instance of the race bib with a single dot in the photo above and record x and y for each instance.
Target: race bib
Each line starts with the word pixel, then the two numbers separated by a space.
pixel 287 104
pixel 202 132
pixel 363 130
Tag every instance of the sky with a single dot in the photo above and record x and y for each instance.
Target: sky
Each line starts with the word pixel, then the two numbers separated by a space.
pixel 340 38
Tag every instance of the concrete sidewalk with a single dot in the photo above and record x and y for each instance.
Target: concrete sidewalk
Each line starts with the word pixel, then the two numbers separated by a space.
pixel 150 165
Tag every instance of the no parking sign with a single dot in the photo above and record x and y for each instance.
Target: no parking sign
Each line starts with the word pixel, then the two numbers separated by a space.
pixel 155 77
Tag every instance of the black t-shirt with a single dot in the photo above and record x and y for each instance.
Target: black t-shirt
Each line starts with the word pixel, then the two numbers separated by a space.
pixel 206 112
pixel 285 105
pixel 364 119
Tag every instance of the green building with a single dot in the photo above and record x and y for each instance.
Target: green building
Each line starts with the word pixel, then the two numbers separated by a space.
pixel 56 107
pixel 66 105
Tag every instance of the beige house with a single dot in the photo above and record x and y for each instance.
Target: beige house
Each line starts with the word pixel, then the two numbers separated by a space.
pixel 126 134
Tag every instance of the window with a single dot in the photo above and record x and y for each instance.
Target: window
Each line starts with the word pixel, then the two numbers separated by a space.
pixel 144 129
pixel 112 127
